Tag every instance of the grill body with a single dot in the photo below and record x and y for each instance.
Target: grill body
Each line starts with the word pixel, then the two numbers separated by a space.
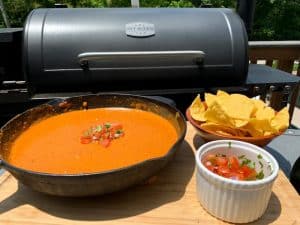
pixel 94 48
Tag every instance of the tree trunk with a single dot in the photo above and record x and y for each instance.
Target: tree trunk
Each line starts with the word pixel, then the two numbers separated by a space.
pixel 4 15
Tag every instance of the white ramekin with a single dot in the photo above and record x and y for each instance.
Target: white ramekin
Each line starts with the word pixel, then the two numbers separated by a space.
pixel 231 200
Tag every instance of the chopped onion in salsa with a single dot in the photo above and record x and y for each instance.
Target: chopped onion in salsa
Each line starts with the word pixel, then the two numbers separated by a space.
pixel 232 167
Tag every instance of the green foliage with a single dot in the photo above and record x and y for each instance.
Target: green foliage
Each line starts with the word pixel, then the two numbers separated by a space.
pixel 273 20
pixel 276 20
pixel 220 3
pixel 88 3
pixel 17 11
pixel 181 4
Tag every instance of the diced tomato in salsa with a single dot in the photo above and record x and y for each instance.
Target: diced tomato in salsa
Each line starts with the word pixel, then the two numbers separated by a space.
pixel 229 167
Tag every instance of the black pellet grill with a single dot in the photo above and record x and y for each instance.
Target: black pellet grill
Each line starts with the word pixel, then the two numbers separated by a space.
pixel 173 53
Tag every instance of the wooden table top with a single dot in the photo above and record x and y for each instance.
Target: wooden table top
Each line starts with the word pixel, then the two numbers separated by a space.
pixel 167 198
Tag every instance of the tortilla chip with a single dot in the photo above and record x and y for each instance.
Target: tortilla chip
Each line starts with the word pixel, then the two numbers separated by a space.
pixel 266 113
pixel 281 120
pixel 209 99
pixel 237 107
pixel 222 93
pixel 258 127
pixel 197 109
pixel 216 114
pixel 258 105
pixel 219 128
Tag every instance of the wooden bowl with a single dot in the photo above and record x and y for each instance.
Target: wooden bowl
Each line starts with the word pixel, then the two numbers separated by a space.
pixel 209 135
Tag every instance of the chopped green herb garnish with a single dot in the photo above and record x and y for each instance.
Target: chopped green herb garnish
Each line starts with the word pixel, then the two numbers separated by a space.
pixel 229 144
pixel 246 162
pixel 87 133
pixel 261 164
pixel 260 175
pixel 251 165
pixel 107 125
pixel 259 156
pixel 98 128
pixel 119 132
pixel 269 167
pixel 241 157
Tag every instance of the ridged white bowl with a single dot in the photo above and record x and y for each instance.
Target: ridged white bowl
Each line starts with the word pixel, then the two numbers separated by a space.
pixel 231 200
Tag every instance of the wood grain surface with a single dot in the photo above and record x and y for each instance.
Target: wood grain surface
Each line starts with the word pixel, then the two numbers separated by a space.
pixel 167 198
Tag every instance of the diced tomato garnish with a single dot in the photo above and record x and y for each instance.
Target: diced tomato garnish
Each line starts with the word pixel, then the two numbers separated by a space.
pixel 248 172
pixel 221 161
pixel 211 158
pixel 233 162
pixel 116 126
pixel 210 167
pixel 105 142
pixel 85 140
pixel 252 175
pixel 224 171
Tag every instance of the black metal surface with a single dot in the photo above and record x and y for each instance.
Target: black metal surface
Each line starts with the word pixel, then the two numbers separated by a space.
pixel 295 175
pixel 94 183
pixel 261 74
pixel 54 38
pixel 10 57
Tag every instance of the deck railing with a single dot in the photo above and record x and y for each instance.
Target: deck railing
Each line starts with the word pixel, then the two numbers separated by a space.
pixel 283 55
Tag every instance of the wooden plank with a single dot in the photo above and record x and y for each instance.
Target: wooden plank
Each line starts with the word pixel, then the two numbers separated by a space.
pixel 286 65
pixel 289 53
pixel 168 199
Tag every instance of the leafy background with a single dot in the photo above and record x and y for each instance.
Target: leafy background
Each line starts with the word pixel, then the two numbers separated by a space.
pixel 273 20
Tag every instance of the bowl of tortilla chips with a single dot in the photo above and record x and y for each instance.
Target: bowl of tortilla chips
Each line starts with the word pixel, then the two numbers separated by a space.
pixel 236 117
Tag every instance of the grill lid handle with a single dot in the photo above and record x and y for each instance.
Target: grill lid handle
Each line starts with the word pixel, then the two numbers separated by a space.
pixel 196 57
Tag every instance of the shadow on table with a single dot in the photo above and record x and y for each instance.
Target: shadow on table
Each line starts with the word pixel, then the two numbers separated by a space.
pixel 198 141
pixel 167 186
pixel 272 213
pixel 284 164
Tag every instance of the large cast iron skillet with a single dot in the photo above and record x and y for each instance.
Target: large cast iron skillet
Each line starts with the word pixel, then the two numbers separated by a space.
pixel 88 183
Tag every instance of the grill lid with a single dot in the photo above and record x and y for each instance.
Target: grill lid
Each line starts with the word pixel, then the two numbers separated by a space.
pixel 95 48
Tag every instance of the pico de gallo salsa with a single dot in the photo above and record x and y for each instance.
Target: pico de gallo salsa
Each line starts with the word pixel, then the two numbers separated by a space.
pixel 233 167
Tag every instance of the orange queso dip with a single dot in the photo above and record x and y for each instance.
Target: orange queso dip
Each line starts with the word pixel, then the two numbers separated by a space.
pixel 93 140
